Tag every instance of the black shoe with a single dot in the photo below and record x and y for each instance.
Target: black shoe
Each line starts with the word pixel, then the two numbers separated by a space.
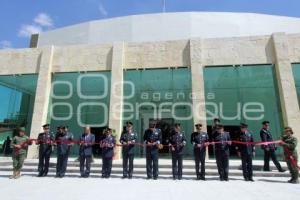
pixel 124 176
pixel 226 179
pixel 57 175
pixel 221 179
pixel 154 178
pixel 149 177
pixel 202 178
pixel 179 178
pixel 40 175
pixel 281 170
pixel 198 177
pixel 246 179
pixel 251 179
pixel 266 170
pixel 45 174
pixel 130 177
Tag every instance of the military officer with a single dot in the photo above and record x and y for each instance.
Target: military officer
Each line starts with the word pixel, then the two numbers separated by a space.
pixel 289 144
pixel 64 143
pixel 107 145
pixel 269 150
pixel 199 140
pixel 216 121
pixel 19 145
pixel 87 140
pixel 152 139
pixel 246 152
pixel 222 152
pixel 128 139
pixel 44 140
pixel 177 142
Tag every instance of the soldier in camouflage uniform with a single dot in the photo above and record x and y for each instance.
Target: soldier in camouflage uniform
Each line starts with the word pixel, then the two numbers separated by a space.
pixel 289 144
pixel 19 144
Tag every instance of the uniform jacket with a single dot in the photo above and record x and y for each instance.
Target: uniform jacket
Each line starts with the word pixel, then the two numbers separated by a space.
pixel 178 141
pixel 128 137
pixel 266 136
pixel 223 138
pixel 290 146
pixel 108 152
pixel 150 137
pixel 64 146
pixel 246 149
pixel 86 149
pixel 20 141
pixel 199 138
pixel 45 145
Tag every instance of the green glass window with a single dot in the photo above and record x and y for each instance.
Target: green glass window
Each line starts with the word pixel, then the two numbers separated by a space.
pixel 78 100
pixel 296 72
pixel 17 93
pixel 165 92
pixel 243 94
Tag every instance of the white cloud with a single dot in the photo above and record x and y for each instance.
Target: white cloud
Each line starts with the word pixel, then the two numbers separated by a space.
pixel 102 9
pixel 27 30
pixel 40 23
pixel 43 19
pixel 5 44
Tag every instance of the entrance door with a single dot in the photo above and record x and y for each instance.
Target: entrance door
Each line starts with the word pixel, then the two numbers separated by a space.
pixel 98 132
pixel 165 123
pixel 234 135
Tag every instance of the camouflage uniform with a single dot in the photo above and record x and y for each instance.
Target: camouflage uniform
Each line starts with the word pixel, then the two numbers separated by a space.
pixel 19 155
pixel 290 150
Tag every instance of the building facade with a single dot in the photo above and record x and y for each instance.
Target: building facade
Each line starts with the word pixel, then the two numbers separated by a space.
pixel 74 77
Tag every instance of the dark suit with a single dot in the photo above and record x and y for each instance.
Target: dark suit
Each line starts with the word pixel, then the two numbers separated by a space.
pixel 266 136
pixel 44 141
pixel 246 152
pixel 152 152
pixel 177 141
pixel 222 153
pixel 63 150
pixel 85 153
pixel 199 152
pixel 107 154
pixel 128 152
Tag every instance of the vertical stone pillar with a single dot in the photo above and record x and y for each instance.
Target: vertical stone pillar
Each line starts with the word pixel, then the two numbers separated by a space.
pixel 286 84
pixel 199 110
pixel 42 96
pixel 116 93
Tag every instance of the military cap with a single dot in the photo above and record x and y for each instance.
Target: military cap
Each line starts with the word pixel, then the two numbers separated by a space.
pixel 46 125
pixel 21 129
pixel 265 122
pixel 243 125
pixel 196 125
pixel 216 119
pixel 129 123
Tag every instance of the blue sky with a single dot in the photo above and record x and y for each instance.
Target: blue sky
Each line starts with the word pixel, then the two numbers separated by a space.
pixel 20 18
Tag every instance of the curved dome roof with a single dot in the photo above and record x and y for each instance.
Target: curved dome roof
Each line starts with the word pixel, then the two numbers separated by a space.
pixel 170 26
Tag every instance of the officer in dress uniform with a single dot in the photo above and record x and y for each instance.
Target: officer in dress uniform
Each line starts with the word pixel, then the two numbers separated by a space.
pixel 199 140
pixel 269 150
pixel 87 139
pixel 64 144
pixel 128 139
pixel 246 152
pixel 107 145
pixel 289 144
pixel 222 151
pixel 177 142
pixel 19 145
pixel 45 141
pixel 152 139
